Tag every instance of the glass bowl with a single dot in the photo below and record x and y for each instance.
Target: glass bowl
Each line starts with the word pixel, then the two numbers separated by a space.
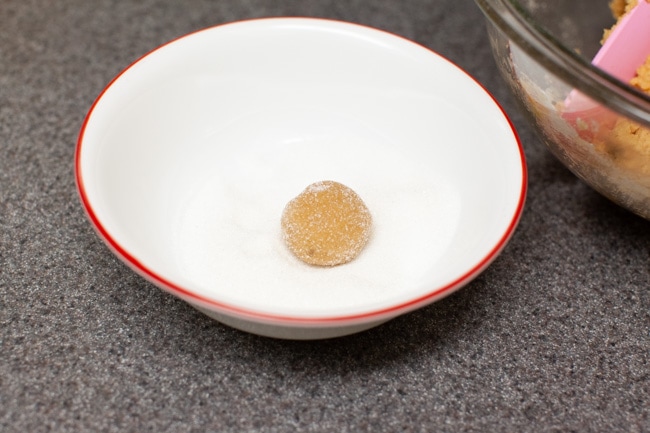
pixel 544 49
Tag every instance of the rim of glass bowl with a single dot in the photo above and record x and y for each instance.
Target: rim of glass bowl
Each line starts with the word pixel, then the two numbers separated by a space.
pixel 518 25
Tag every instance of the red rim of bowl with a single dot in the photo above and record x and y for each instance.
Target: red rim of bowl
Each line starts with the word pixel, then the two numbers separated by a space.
pixel 264 317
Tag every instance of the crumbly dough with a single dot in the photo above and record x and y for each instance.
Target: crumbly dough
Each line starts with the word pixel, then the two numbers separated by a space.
pixel 627 142
pixel 327 224
pixel 618 8
pixel 642 79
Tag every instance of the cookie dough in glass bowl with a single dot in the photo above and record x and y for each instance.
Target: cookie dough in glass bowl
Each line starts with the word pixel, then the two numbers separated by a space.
pixel 594 123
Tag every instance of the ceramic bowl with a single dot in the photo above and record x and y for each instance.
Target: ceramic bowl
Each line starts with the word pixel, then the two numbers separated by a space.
pixel 187 159
pixel 544 51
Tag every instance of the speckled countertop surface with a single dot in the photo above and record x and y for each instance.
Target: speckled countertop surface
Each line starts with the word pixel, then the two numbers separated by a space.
pixel 554 336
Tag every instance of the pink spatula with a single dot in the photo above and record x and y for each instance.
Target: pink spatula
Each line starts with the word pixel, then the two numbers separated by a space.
pixel 626 48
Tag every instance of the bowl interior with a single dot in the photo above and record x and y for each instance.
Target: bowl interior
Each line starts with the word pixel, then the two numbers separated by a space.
pixel 187 159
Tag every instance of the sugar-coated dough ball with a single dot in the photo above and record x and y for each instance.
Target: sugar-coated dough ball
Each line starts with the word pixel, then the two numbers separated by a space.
pixel 327 224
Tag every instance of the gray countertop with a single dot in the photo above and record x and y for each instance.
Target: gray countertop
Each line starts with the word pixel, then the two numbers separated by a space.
pixel 553 336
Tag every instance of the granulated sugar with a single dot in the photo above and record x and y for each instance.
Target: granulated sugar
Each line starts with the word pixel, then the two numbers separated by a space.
pixel 230 242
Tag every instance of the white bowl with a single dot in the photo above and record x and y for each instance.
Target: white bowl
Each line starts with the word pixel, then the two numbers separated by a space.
pixel 187 159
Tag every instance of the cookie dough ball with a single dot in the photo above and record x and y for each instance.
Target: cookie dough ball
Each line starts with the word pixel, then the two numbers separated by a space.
pixel 326 225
